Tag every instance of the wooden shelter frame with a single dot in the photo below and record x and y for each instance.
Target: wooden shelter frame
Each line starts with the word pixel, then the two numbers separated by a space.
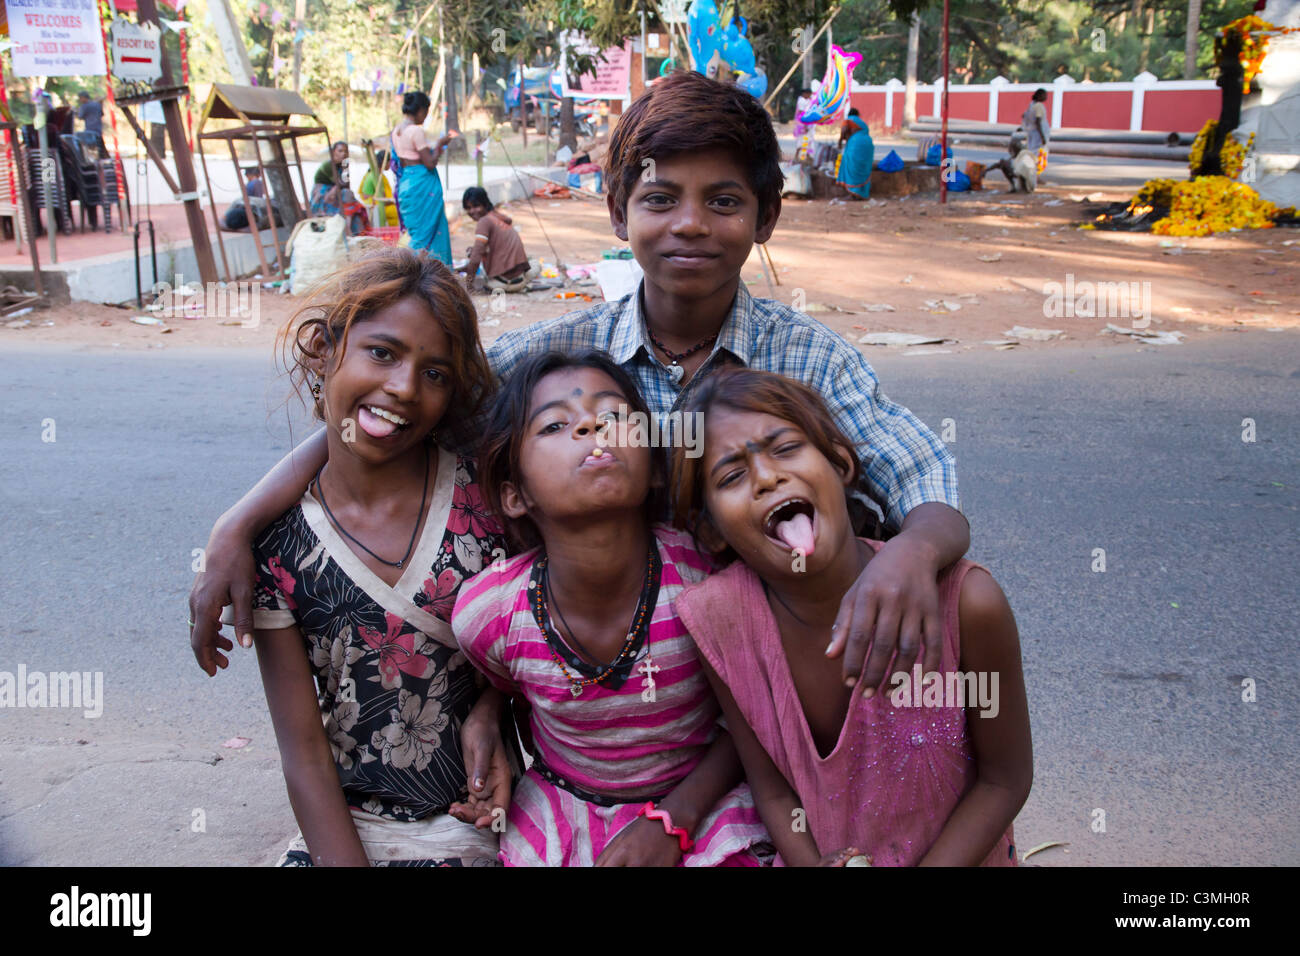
pixel 263 114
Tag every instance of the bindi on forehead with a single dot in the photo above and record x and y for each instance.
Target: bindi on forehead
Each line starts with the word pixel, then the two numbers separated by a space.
pixel 577 393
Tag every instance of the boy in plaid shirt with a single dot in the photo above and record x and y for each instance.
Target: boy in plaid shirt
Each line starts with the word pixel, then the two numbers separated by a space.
pixel 694 182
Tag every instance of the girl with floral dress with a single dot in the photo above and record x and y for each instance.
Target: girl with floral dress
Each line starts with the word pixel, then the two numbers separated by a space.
pixel 367 689
pixel 630 765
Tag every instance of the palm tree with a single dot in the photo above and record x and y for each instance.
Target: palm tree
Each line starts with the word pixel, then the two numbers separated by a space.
pixel 1189 46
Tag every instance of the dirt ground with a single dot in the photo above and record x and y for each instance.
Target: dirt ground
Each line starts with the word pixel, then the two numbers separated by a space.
pixel 966 272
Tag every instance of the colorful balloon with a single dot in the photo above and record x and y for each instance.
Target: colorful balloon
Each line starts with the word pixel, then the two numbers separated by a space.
pixel 833 94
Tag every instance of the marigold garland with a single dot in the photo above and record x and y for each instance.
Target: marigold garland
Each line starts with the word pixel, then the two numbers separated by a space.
pixel 1210 204
pixel 1255 34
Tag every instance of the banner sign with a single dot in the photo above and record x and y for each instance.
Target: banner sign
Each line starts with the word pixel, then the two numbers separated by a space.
pixel 613 79
pixel 55 37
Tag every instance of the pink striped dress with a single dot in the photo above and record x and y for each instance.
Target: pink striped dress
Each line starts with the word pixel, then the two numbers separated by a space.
pixel 896 772
pixel 600 756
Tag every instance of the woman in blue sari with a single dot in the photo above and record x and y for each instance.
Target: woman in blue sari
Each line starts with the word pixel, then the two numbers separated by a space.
pixel 858 156
pixel 419 190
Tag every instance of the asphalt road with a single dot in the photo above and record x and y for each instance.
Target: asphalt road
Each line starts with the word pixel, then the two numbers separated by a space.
pixel 1135 674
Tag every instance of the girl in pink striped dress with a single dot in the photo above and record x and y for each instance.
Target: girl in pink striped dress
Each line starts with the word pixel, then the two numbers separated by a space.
pixel 630 766
pixel 930 772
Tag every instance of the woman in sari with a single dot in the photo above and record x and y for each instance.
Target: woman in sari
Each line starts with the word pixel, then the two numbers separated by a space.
pixel 419 190
pixel 858 156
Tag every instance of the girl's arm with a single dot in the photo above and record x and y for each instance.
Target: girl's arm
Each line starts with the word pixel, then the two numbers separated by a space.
pixel 309 772
pixel 1004 757
pixel 228 560
pixel 777 803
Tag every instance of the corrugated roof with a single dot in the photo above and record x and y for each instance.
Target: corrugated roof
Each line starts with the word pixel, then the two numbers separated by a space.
pixel 257 102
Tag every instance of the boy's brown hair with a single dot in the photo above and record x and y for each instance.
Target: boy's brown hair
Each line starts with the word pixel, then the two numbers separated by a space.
pixel 687 113
pixel 765 393
pixel 375 282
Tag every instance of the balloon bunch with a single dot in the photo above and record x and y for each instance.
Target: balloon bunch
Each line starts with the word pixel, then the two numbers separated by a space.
pixel 833 93
pixel 726 48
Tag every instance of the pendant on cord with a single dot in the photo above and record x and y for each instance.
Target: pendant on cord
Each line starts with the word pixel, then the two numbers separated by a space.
pixel 676 372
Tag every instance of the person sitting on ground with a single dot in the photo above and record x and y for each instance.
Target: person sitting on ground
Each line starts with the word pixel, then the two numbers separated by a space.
pixel 332 195
pixel 497 245
pixel 1020 168
pixel 236 217
pixel 858 156
pixel 588 159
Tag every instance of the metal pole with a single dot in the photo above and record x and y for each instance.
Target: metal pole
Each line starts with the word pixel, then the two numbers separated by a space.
pixel 943 135
pixel 49 172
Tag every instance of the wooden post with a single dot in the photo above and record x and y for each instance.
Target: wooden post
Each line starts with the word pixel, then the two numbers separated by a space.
pixel 148 13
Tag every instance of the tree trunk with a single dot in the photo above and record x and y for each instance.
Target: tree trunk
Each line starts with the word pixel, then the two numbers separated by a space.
pixel 1189 45
pixel 909 91
pixel 568 126
pixel 805 42
pixel 1227 53
pixel 300 14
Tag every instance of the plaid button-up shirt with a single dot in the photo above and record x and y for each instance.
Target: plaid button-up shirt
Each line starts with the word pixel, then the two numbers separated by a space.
pixel 904 464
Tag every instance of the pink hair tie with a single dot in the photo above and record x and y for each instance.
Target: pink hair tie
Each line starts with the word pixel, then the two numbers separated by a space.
pixel 650 811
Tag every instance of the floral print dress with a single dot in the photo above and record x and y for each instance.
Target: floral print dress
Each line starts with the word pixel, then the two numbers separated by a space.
pixel 392 684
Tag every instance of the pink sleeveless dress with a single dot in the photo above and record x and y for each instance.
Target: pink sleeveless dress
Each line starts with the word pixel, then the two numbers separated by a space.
pixel 896 773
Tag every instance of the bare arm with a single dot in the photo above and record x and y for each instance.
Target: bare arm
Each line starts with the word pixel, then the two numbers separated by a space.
pixel 429 155
pixel 778 805
pixel 645 843
pixel 228 571
pixel 1000 737
pixel 309 771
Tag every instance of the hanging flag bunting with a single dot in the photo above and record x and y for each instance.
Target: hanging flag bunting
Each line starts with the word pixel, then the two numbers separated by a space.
pixel 276 17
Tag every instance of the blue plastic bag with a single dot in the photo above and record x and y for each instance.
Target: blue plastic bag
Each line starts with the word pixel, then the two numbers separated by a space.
pixel 960 182
pixel 891 163
pixel 932 155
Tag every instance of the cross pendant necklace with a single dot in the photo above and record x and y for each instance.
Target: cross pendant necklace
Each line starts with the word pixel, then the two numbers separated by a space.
pixel 649 669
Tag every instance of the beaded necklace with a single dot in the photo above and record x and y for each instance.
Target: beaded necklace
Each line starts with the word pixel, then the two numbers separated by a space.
pixel 639 629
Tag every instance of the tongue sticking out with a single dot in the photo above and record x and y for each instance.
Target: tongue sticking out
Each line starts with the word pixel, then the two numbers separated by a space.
pixel 797 534
pixel 373 425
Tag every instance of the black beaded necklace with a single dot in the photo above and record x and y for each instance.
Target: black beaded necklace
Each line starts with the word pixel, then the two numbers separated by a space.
pixel 675 369
pixel 424 496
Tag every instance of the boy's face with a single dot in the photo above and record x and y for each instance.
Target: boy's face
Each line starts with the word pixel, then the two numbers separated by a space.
pixel 692 220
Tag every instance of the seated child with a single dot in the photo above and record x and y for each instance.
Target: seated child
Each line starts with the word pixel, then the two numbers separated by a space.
pixel 630 767
pixel 932 771
pixel 497 245
pixel 369 694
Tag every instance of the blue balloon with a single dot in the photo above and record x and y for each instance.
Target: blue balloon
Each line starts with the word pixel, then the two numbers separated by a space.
pixel 753 84
pixel 704 32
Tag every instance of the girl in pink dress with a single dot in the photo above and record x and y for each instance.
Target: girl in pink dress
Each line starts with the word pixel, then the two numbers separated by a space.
pixel 932 771
pixel 629 764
